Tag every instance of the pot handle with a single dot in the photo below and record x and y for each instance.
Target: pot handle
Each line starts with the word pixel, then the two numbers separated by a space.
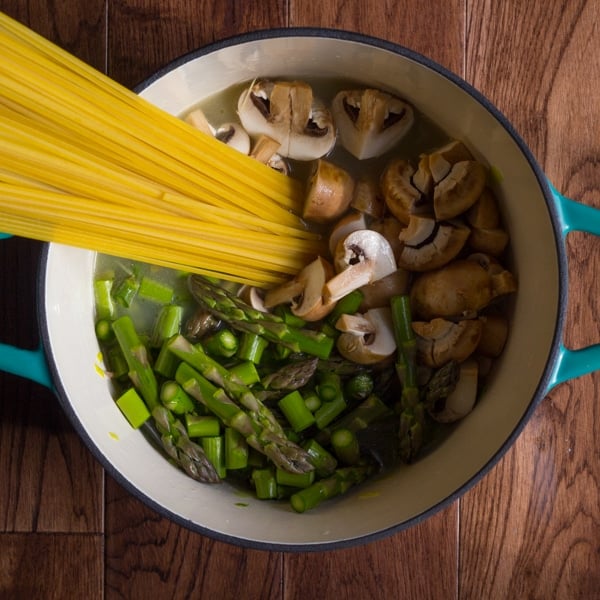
pixel 30 364
pixel 575 216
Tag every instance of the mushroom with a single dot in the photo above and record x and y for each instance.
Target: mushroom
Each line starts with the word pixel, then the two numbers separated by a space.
pixel 370 121
pixel 460 288
pixel 400 194
pixel 329 193
pixel 353 221
pixel 367 339
pixel 459 190
pixel 390 229
pixel 441 160
pixel 494 333
pixel 439 341
pixel 253 296
pixel 502 281
pixel 461 400
pixel 378 293
pixel 429 244
pixel 367 198
pixel 288 112
pixel 234 135
pixel 364 256
pixel 305 292
pixel 487 235
pixel 197 119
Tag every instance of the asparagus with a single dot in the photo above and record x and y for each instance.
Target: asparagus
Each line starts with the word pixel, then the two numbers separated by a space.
pixel 176 443
pixel 334 485
pixel 292 376
pixel 412 411
pixel 441 384
pixel 232 309
pixel 256 424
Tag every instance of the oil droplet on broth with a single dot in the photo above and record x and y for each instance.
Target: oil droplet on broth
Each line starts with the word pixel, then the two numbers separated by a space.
pixel 113 435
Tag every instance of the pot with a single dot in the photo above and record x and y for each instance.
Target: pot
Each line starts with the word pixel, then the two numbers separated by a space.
pixel 534 360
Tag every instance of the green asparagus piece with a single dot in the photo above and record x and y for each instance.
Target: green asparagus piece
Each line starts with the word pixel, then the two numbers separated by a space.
pixel 312 401
pixel 359 387
pixel 133 407
pixel 293 407
pixel 175 399
pixel 245 372
pixel 256 423
pixel 265 484
pixel 222 343
pixel 236 449
pixel 347 305
pixel 243 317
pixel 252 347
pixel 155 291
pixel 298 480
pixel 412 411
pixel 325 463
pixel 188 455
pixel 127 289
pixel 324 489
pixel 345 445
pixel 214 448
pixel 166 362
pixel 202 425
pixel 329 386
pixel 441 385
pixel 105 306
pixel 136 355
pixel 104 331
pixel 167 324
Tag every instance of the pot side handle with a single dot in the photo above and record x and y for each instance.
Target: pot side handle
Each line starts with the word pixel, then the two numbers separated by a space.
pixel 30 364
pixel 575 216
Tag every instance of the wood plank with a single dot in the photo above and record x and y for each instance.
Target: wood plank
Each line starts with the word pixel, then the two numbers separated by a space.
pixel 531 529
pixel 51 481
pixel 51 566
pixel 147 35
pixel 435 29
pixel 148 556
pixel 390 568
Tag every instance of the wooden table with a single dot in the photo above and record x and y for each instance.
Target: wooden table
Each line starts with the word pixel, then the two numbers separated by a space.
pixel 530 529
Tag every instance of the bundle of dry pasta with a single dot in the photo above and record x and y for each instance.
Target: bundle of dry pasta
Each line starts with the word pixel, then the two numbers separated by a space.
pixel 86 162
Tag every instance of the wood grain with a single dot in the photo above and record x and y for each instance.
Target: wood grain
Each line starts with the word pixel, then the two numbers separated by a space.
pixel 530 529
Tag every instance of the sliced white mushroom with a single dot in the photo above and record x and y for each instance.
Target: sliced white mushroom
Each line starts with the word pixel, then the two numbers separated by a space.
pixel 370 122
pixel 234 135
pixel 288 112
pixel 363 257
pixel 440 340
pixel 429 244
pixel 254 297
pixel 462 399
pixel 305 292
pixel 372 346
pixel 353 221
pixel 197 119
pixel 329 193
pixel 459 190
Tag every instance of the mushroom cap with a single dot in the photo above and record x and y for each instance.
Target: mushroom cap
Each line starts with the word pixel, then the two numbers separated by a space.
pixel 401 197
pixel 441 160
pixel 390 228
pixel 364 256
pixel 484 214
pixel 288 112
pixel 459 190
pixel 462 399
pixel 429 244
pixel 378 293
pixel 491 241
pixel 370 122
pixel 329 193
pixel 439 341
pixel 374 346
pixel 367 198
pixel 494 333
pixel 353 221
pixel 459 288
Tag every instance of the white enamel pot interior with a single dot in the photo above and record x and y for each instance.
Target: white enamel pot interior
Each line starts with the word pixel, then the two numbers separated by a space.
pixel 397 499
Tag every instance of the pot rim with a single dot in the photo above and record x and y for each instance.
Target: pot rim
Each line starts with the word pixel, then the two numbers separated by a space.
pixel 543 385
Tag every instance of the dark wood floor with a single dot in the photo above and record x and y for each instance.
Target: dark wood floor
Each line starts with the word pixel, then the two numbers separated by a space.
pixel 530 529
